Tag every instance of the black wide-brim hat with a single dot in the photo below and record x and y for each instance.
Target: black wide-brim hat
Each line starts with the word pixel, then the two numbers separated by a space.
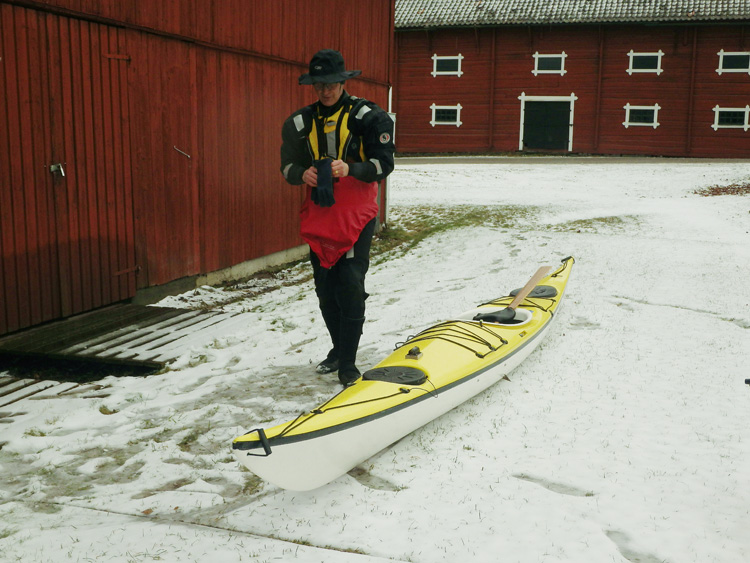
pixel 327 66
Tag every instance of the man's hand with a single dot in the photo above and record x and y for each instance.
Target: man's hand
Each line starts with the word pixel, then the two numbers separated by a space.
pixel 339 168
pixel 310 176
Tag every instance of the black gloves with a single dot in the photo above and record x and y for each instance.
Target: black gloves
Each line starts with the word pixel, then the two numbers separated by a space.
pixel 323 194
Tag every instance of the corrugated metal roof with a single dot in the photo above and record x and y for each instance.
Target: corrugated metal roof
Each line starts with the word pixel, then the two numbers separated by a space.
pixel 454 13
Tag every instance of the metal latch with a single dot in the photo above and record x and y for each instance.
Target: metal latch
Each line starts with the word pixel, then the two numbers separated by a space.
pixel 57 169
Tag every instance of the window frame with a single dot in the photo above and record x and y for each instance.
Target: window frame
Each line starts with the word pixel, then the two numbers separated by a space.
pixel 537 56
pixel 457 123
pixel 717 111
pixel 633 54
pixel 628 107
pixel 435 58
pixel 721 70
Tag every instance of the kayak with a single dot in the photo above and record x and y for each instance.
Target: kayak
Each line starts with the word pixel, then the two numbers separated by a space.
pixel 424 377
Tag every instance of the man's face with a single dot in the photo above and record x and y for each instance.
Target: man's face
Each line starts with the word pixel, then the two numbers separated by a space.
pixel 328 94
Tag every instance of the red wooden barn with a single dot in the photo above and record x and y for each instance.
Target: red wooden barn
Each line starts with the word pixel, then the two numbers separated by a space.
pixel 139 139
pixel 585 76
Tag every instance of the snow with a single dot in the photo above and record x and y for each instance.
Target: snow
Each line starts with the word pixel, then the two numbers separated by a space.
pixel 624 437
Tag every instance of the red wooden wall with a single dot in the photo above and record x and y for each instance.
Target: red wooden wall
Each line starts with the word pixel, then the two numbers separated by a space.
pixel 167 117
pixel 67 242
pixel 497 69
pixel 281 30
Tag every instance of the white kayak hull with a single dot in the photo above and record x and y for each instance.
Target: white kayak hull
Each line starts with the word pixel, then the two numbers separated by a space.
pixel 326 456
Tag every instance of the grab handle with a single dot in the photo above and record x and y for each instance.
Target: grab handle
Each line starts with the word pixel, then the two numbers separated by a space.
pixel 264 442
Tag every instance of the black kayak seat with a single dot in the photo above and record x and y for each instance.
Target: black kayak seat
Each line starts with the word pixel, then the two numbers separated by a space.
pixel 494 317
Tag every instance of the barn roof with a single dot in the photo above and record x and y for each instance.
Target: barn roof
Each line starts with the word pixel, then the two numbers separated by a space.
pixel 456 13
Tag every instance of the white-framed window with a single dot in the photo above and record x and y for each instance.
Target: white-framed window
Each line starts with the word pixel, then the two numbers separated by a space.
pixel 731 118
pixel 447 65
pixel 645 62
pixel 641 116
pixel 446 115
pixel 736 61
pixel 549 64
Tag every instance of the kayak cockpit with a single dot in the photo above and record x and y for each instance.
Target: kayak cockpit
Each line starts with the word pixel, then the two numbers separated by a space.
pixel 487 315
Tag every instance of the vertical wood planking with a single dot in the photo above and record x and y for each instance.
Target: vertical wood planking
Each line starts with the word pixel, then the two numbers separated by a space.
pixel 128 261
pixel 85 185
pixel 7 309
pixel 60 237
pixel 23 197
pixel 10 115
pixel 36 211
pixel 24 186
pixel 161 113
pixel 111 103
pixel 288 29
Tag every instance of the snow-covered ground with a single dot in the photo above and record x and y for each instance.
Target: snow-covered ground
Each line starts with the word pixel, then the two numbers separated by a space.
pixel 624 437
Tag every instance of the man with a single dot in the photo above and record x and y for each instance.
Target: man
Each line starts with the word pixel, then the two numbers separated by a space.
pixel 340 147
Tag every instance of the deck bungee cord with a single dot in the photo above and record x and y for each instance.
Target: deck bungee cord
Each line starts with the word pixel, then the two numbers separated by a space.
pixel 306 417
pixel 458 330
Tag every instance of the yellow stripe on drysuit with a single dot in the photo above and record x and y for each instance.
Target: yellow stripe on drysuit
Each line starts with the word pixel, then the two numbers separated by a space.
pixel 329 125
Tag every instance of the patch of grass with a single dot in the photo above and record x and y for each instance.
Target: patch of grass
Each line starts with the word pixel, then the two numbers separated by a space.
pixel 118 470
pixel 35 433
pixel 252 485
pixel 163 435
pixel 106 410
pixel 356 550
pixel 594 224
pixel 419 223
pixel 43 507
pixel 190 439
pixel 197 360
pixel 62 481
pixel 731 189
pixel 390 238
pixel 149 423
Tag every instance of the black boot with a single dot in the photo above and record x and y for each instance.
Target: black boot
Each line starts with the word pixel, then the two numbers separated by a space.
pixel 332 318
pixel 349 334
pixel 331 363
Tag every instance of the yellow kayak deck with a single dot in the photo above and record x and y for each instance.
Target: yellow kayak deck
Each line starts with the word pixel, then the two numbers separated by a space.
pixel 438 358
